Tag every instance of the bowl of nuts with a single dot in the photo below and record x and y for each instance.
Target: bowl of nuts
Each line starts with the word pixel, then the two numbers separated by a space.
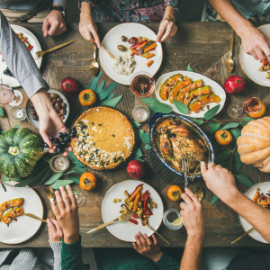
pixel 60 105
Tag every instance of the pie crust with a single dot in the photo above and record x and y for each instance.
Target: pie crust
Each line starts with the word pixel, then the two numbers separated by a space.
pixel 105 138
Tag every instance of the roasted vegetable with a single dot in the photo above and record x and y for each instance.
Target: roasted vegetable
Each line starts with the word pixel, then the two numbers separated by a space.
pixel 10 204
pixel 12 214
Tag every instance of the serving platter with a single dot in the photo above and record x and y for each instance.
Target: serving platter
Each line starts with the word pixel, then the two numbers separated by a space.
pixel 251 66
pixel 214 86
pixel 264 187
pixel 113 39
pixel 25 227
pixel 126 230
pixel 11 81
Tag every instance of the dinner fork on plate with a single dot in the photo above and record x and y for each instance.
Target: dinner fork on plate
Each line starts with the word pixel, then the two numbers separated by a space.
pixel 41 53
pixel 185 169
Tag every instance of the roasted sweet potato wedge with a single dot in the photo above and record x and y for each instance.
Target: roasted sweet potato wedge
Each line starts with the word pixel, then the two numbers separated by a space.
pixel 12 214
pixel 10 204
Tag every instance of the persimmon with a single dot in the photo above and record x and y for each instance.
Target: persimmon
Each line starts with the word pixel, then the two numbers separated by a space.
pixel 259 110
pixel 174 193
pixel 87 97
pixel 88 181
pixel 223 137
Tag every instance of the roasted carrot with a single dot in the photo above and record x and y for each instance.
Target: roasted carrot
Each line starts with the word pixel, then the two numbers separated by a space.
pixel 256 196
pixel 266 203
pixel 140 39
pixel 150 63
pixel 136 201
pixel 150 55
pixel 132 53
pixel 132 197
pixel 142 45
pixel 154 45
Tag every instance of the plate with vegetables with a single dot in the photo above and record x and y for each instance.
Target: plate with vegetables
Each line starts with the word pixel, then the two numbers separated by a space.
pixel 135 47
pixel 260 194
pixel 135 196
pixel 16 228
pixel 33 45
pixel 197 92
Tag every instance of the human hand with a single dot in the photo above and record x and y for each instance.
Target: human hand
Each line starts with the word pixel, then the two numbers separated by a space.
pixel 254 42
pixel 88 29
pixel 67 214
pixel 192 215
pixel 54 24
pixel 54 230
pixel 219 180
pixel 146 247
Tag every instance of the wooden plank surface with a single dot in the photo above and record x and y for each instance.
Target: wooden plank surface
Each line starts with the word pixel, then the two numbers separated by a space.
pixel 199 44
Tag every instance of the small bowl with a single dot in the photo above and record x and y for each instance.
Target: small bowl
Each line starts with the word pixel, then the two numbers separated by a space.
pixel 168 224
pixel 35 123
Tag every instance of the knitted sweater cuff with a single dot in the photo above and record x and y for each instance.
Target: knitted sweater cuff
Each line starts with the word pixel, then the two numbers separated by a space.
pixel 71 249
pixel 163 262
pixel 56 248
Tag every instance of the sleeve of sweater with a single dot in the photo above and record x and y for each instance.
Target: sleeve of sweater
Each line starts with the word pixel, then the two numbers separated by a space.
pixel 56 248
pixel 173 3
pixel 19 60
pixel 167 262
pixel 71 256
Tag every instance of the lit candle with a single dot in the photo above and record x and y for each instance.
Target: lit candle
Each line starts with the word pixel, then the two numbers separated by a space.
pixel 20 114
pixel 141 113
pixel 59 163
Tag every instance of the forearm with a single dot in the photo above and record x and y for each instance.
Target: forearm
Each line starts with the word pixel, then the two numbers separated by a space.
pixel 62 3
pixel 170 13
pixel 257 216
pixel 191 259
pixel 42 102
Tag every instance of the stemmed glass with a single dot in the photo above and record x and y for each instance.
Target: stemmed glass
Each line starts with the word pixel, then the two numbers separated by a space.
pixel 6 94
pixel 80 198
pixel 235 110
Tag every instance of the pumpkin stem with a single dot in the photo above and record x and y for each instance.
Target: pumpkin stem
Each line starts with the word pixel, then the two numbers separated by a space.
pixel 13 150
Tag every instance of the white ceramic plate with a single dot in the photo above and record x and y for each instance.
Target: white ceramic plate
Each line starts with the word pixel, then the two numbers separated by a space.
pixel 264 187
pixel 251 66
pixel 36 122
pixel 25 227
pixel 214 86
pixel 113 39
pixel 11 81
pixel 126 230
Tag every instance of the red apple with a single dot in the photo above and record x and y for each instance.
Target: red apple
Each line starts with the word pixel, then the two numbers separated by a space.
pixel 136 169
pixel 69 85
pixel 234 85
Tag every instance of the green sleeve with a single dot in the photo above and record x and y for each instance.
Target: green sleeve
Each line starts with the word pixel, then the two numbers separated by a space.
pixel 167 262
pixel 71 256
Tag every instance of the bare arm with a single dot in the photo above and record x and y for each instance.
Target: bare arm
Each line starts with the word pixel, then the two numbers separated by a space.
pixel 254 42
pixel 221 182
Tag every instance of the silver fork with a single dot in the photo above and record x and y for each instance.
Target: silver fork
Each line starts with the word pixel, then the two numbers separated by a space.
pixel 185 169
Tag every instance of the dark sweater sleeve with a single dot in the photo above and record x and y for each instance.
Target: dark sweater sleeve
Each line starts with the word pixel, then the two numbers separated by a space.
pixel 71 256
pixel 167 262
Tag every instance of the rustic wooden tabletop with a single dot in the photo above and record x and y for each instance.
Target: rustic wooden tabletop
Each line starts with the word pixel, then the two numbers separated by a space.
pixel 201 45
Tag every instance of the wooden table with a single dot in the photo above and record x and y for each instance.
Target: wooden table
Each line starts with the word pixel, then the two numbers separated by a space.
pixel 200 45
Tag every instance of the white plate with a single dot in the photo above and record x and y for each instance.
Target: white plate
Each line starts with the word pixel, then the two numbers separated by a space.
pixel 251 66
pixel 11 81
pixel 25 227
pixel 214 86
pixel 36 122
pixel 113 39
pixel 264 187
pixel 126 230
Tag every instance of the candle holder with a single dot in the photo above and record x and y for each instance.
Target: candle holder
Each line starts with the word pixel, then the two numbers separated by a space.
pixel 59 163
pixel 17 113
pixel 141 113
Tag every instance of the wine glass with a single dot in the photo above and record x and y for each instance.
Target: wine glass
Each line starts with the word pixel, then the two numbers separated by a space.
pixel 80 198
pixel 235 110
pixel 6 94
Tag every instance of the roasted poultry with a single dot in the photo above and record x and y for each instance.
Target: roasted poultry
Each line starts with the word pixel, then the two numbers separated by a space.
pixel 177 141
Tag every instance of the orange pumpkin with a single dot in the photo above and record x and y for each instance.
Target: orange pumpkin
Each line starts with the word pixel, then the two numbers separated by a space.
pixel 87 97
pixel 174 193
pixel 254 144
pixel 88 181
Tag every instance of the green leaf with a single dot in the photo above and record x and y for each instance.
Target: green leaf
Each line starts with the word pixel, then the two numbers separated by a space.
pixel 145 137
pixel 74 178
pixel 111 103
pixel 230 125
pixel 153 110
pixel 61 183
pixel 72 156
pixel 197 121
pixel 244 180
pixel 53 179
pixel 107 91
pixel 77 163
pixel 223 155
pixel 138 154
pixel 245 121
pixel 79 170
pixel 110 97
pixel 147 147
pixel 236 132
pixel 238 162
pixel 214 199
pixel 45 177
pixel 75 192
pixel 212 112
pixel 3 186
pixel 100 87
pixel 3 132
pixel 149 101
pixel 5 179
pixel 163 108
pixel 189 68
pixel 136 124
pixel 181 107
pixel 2 113
pixel 16 126
pixel 93 83
pixel 214 128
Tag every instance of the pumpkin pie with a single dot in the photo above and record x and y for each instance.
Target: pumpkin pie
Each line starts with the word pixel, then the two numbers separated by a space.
pixel 105 138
